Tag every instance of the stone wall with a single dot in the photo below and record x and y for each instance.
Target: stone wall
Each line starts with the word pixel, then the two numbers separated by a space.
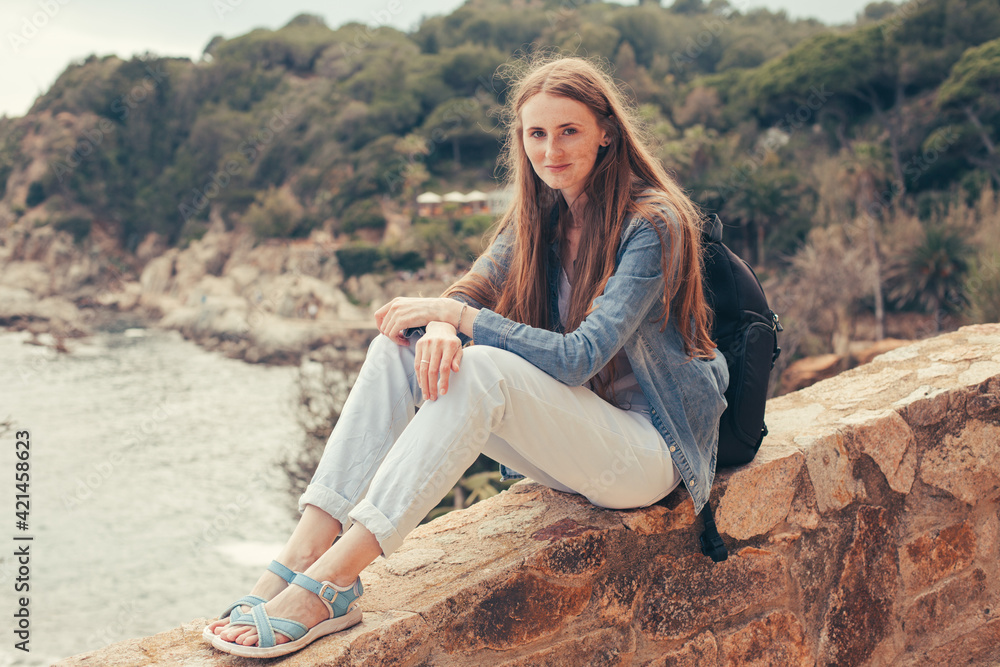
pixel 866 532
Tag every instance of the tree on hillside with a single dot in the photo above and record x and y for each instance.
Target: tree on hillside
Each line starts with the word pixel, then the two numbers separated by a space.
pixel 973 90
pixel 934 273
pixel 819 295
pixel 864 172
pixel 463 122
pixel 875 67
pixel 760 201
pixel 835 69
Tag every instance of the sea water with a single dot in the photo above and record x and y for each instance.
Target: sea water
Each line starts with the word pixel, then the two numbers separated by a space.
pixel 156 491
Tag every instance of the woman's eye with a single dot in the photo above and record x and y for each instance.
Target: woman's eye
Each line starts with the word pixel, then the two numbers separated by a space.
pixel 570 130
pixel 537 134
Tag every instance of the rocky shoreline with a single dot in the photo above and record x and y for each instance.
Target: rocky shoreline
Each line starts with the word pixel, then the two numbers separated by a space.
pixel 260 301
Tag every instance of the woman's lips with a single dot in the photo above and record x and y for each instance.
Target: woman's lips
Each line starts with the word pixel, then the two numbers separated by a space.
pixel 557 167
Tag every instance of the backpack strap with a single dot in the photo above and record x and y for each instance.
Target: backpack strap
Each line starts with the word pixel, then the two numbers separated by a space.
pixel 712 231
pixel 777 329
pixel 711 542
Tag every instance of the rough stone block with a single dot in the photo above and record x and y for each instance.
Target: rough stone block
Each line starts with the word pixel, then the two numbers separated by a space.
pixel 692 592
pixel 926 406
pixel 803 512
pixel 889 442
pixel 616 597
pixel 771 484
pixel 605 647
pixel 702 650
pixel 936 612
pixel 983 399
pixel 520 609
pixel 977 648
pixel 831 473
pixel 777 639
pixel 580 554
pixel 933 556
pixel 676 513
pixel 967 465
pixel 860 614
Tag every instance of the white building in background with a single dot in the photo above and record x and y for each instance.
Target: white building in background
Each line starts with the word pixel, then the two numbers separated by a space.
pixel 429 204
pixel 475 202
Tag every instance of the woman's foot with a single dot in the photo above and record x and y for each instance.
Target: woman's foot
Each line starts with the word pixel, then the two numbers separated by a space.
pixel 311 538
pixel 294 603
pixel 269 585
pixel 293 620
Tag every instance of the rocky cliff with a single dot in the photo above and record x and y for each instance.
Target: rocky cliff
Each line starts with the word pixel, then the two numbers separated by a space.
pixel 866 532
pixel 262 301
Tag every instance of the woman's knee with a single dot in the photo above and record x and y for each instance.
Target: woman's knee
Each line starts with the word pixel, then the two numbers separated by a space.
pixel 491 358
pixel 383 351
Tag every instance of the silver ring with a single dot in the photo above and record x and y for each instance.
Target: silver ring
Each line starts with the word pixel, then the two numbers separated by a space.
pixel 425 362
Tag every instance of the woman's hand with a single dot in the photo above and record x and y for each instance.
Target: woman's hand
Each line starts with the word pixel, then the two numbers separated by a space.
pixel 405 312
pixel 438 355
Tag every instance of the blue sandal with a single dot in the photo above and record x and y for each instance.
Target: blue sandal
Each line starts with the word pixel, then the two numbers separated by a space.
pixel 344 609
pixel 233 610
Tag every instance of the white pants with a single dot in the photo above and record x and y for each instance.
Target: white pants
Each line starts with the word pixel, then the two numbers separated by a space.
pixel 386 468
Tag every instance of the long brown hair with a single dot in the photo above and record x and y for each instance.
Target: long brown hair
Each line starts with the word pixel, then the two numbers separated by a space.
pixel 623 173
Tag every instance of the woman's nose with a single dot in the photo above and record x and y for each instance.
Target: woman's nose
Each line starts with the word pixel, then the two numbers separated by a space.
pixel 552 149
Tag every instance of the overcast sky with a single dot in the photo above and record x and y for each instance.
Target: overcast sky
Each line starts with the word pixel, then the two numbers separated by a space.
pixel 40 37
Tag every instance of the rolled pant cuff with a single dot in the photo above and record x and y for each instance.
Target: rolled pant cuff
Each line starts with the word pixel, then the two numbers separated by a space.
pixel 330 502
pixel 378 525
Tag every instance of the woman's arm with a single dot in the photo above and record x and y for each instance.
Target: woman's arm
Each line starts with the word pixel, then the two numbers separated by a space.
pixel 402 315
pixel 445 323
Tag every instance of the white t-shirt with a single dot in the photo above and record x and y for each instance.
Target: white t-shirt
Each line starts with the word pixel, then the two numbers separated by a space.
pixel 625 389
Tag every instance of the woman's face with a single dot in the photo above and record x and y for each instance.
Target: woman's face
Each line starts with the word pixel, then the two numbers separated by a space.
pixel 561 137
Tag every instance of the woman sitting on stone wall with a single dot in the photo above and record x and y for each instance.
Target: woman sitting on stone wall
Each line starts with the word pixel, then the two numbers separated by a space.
pixel 592 370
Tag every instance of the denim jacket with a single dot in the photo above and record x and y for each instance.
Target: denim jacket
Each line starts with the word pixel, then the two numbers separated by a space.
pixel 685 395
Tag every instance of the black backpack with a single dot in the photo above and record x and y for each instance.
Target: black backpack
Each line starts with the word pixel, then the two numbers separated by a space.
pixel 746 332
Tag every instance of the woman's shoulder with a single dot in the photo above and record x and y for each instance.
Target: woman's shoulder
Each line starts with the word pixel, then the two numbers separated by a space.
pixel 653 207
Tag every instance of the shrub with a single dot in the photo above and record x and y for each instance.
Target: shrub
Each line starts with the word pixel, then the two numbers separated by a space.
pixel 406 260
pixel 982 288
pixel 36 194
pixel 276 213
pixel 364 214
pixel 358 260
pixel 76 225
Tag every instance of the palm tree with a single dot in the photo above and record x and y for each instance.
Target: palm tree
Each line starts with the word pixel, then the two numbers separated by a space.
pixel 864 170
pixel 934 274
pixel 760 200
